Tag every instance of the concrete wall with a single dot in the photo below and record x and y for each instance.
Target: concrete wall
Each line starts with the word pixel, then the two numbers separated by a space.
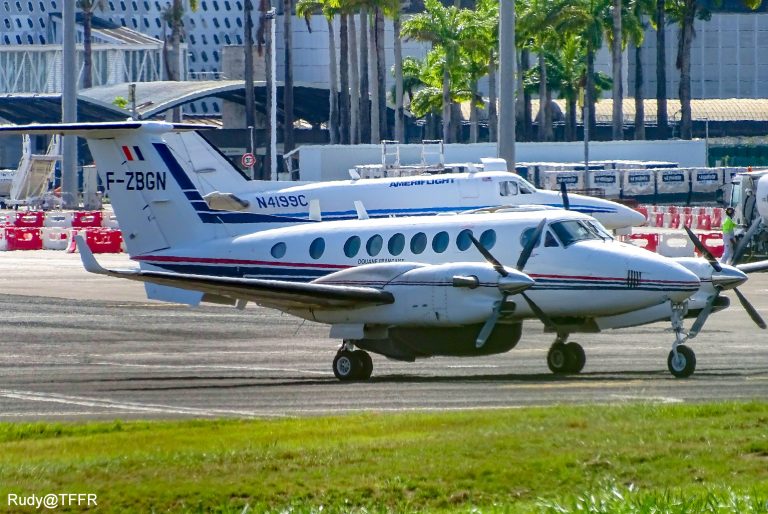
pixel 332 162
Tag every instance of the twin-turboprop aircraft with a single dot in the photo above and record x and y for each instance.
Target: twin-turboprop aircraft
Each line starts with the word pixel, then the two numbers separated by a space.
pixel 223 187
pixel 405 288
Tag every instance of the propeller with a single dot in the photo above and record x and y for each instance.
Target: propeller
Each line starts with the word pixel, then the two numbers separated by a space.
pixel 490 323
pixel 727 278
pixel 703 250
pixel 564 194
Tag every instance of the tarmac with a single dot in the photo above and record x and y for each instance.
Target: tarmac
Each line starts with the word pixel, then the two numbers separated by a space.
pixel 76 346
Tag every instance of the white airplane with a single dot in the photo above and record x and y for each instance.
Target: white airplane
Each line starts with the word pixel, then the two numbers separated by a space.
pixel 224 187
pixel 405 288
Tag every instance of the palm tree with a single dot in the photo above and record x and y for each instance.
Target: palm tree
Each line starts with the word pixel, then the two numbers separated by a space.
pixel 638 10
pixel 305 9
pixel 174 18
pixel 662 119
pixel 88 6
pixel 288 143
pixel 442 27
pixel 616 66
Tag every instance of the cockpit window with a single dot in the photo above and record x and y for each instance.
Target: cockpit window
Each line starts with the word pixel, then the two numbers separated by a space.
pixel 507 188
pixel 525 187
pixel 550 241
pixel 600 230
pixel 572 231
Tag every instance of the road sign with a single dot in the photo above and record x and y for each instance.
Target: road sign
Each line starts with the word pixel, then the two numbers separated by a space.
pixel 248 160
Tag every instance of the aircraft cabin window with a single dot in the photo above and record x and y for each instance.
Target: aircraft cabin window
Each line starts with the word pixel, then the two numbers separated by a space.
pixel 278 250
pixel 507 188
pixel 396 244
pixel 440 242
pixel 418 242
pixel 316 248
pixel 462 240
pixel 572 231
pixel 374 244
pixel 352 246
pixel 526 236
pixel 488 239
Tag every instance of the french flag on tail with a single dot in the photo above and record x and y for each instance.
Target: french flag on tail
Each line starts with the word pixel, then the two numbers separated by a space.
pixel 133 153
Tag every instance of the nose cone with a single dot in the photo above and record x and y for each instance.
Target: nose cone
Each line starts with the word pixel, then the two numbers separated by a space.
pixel 679 282
pixel 631 217
pixel 728 278
pixel 515 281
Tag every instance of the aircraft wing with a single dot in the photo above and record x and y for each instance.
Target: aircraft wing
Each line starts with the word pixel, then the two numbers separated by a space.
pixel 752 267
pixel 274 293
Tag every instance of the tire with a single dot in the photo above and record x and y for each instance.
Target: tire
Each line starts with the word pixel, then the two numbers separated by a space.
pixel 575 357
pixel 366 364
pixel 557 358
pixel 346 366
pixel 684 365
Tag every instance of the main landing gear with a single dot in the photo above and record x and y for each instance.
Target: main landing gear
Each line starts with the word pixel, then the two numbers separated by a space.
pixel 681 360
pixel 565 357
pixel 350 364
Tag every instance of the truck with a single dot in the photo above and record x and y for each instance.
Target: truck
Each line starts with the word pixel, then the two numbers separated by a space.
pixel 749 199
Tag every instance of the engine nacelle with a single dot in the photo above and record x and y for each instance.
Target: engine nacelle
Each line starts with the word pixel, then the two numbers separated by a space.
pixel 425 295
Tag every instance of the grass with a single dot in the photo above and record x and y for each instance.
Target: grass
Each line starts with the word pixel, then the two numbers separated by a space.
pixel 634 458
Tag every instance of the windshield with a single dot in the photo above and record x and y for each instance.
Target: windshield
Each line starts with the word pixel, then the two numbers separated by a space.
pixel 525 187
pixel 600 230
pixel 572 231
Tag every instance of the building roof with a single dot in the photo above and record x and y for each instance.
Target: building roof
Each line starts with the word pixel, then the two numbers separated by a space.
pixel 155 98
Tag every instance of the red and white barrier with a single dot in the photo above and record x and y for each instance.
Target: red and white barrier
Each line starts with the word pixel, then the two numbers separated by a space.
pixel 99 240
pixel 55 238
pixel 21 238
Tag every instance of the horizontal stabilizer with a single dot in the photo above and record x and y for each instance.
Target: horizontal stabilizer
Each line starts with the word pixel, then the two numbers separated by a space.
pixel 99 129
pixel 753 267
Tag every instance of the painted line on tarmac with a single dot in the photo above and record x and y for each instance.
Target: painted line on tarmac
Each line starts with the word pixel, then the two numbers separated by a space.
pixel 208 366
pixel 133 407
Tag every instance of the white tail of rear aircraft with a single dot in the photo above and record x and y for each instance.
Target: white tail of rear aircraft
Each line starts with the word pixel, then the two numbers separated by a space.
pixel 156 203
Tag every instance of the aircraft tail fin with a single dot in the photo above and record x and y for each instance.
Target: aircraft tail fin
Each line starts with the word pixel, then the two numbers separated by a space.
pixel 157 205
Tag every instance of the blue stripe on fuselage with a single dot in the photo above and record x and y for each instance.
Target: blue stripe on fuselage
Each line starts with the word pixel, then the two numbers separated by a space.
pixel 201 206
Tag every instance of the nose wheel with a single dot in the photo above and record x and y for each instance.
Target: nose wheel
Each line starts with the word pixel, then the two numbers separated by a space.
pixel 564 358
pixel 352 364
pixel 681 360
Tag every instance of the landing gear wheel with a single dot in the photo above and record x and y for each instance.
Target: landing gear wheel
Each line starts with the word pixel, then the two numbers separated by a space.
pixel 347 366
pixel 366 364
pixel 685 363
pixel 575 357
pixel 557 358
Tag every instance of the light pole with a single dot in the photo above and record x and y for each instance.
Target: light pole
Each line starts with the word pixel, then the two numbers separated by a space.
pixel 69 107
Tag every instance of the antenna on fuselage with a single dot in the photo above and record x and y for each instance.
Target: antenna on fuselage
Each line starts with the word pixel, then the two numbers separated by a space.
pixel 362 214
pixel 315 214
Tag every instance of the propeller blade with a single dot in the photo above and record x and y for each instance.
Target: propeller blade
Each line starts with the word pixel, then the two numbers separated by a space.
pixel 703 249
pixel 750 309
pixel 564 194
pixel 702 317
pixel 499 267
pixel 533 241
pixel 539 313
pixel 490 324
